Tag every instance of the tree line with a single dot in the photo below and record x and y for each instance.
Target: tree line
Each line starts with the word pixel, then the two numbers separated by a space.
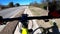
pixel 44 3
pixel 11 4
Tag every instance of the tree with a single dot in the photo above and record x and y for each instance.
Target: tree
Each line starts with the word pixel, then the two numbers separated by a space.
pixel 11 4
pixel 17 4
pixel 34 4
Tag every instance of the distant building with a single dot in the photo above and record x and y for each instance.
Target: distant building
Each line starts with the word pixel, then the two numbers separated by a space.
pixel 3 7
pixel 0 7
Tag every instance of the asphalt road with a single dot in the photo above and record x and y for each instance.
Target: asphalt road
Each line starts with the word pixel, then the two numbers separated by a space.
pixel 10 13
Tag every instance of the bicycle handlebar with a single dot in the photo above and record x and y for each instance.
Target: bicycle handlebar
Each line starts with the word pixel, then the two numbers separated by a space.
pixel 29 18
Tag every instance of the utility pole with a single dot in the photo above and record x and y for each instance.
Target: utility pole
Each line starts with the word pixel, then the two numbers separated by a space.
pixel 47 5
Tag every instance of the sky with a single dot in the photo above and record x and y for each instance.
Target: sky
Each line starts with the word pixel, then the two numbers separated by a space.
pixel 21 2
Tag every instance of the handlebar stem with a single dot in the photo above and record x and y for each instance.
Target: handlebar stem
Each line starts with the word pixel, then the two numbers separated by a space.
pixel 24 20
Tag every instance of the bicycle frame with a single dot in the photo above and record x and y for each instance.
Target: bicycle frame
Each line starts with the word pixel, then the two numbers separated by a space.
pixel 24 19
pixel 24 30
